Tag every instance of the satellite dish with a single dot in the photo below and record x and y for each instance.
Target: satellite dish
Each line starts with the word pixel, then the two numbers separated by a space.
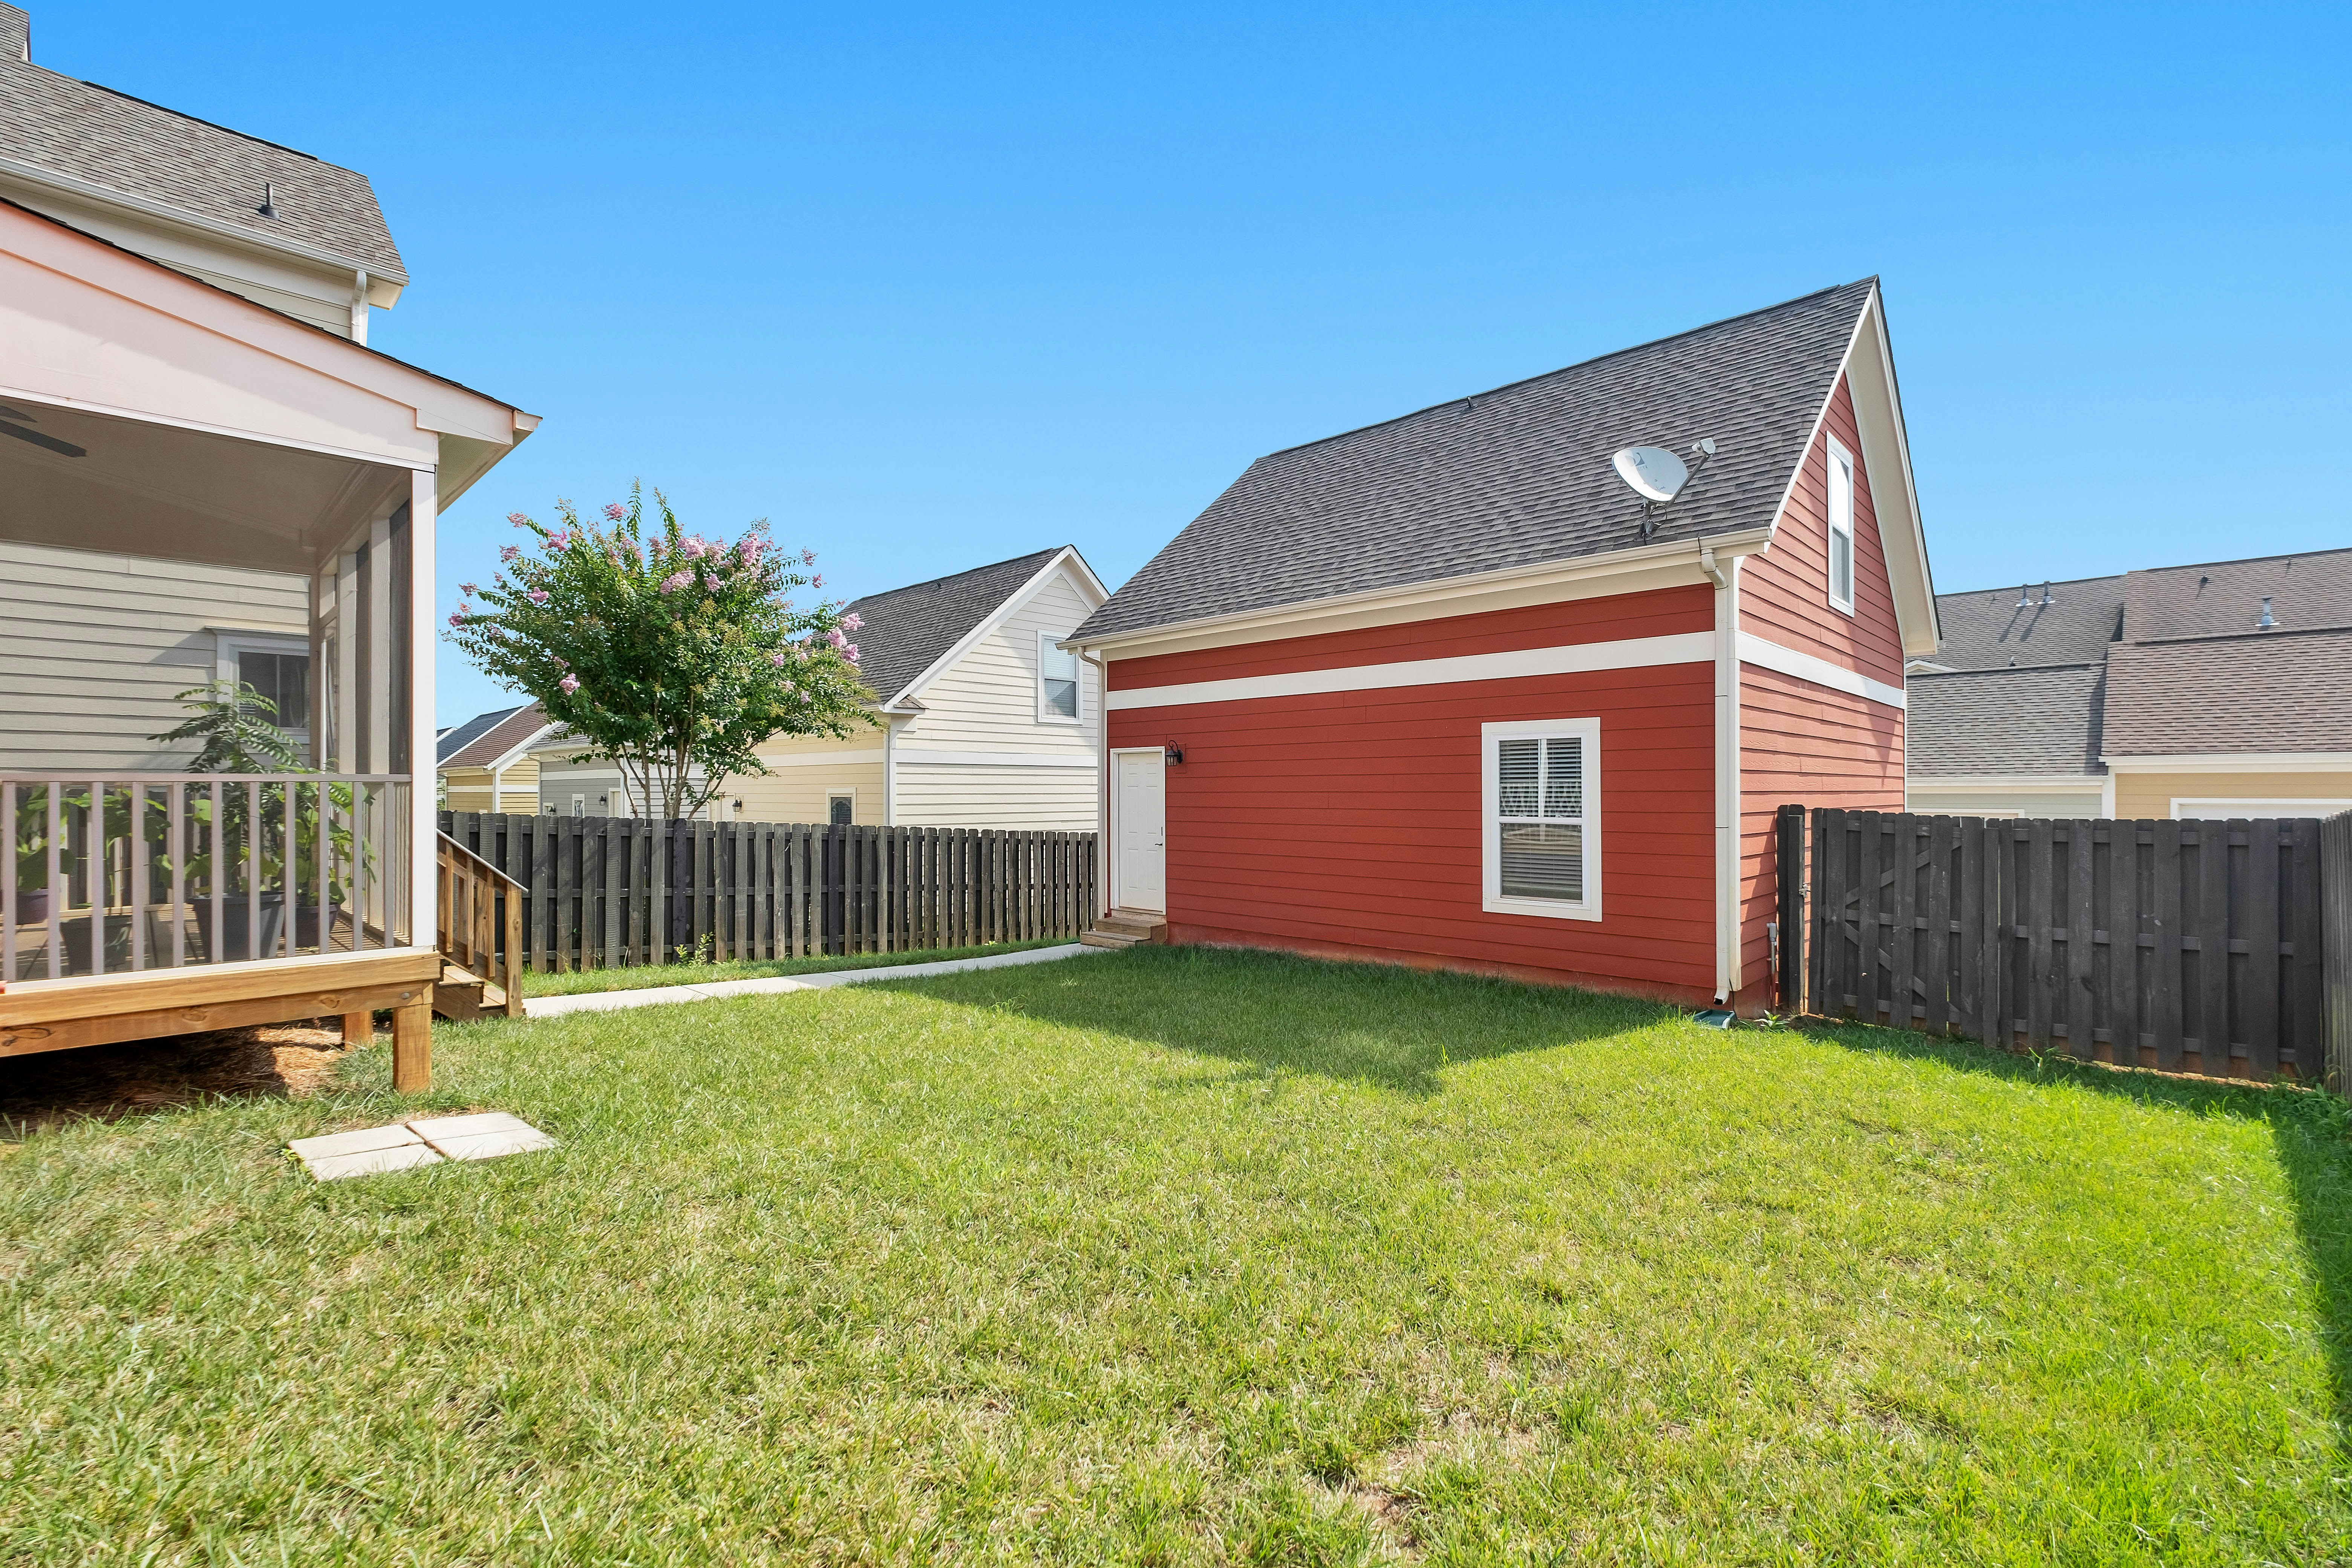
pixel 1655 473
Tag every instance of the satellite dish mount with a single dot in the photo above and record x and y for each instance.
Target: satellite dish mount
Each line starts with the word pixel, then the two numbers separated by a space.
pixel 1658 476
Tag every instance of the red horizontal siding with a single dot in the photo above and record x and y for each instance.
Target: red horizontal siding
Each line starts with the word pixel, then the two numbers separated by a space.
pixel 1351 823
pixel 1662 613
pixel 1802 744
pixel 1784 593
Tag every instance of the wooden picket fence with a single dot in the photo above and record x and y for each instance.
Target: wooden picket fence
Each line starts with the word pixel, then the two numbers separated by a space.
pixel 2189 946
pixel 601 892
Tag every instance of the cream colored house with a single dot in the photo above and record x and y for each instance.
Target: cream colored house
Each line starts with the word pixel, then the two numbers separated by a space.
pixel 485 763
pixel 982 721
pixel 2215 691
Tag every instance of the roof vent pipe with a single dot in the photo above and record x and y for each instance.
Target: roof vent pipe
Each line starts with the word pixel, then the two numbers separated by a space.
pixel 2024 596
pixel 2268 620
pixel 2045 593
pixel 268 207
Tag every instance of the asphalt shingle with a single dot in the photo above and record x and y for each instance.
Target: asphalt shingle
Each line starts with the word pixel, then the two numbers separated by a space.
pixel 906 630
pixel 2277 691
pixel 1516 476
pixel 88 133
pixel 2043 719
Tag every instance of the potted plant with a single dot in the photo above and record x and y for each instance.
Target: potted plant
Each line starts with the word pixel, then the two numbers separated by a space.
pixel 31 841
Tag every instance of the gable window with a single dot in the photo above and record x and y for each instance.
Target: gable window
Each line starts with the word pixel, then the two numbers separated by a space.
pixel 1057 681
pixel 1542 809
pixel 1841 506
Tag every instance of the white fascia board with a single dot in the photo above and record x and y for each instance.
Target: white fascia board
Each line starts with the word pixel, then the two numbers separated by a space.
pixel 2239 763
pixel 1575 659
pixel 2091 782
pixel 1428 600
pixel 514 754
pixel 1789 661
pixel 988 623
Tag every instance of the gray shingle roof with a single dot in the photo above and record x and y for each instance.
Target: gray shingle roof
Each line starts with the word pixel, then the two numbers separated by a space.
pixel 1987 630
pixel 2224 597
pixel 90 133
pixel 2275 692
pixel 1516 476
pixel 2043 719
pixel 483 740
pixel 907 629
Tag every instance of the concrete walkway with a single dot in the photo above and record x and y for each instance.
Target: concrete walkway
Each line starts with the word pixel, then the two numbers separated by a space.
pixel 664 995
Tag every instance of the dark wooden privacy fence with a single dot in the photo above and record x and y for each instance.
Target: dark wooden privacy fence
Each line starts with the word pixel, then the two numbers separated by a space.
pixel 601 891
pixel 2191 946
pixel 2336 919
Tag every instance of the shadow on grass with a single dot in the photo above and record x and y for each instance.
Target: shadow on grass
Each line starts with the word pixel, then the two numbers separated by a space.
pixel 1358 1023
pixel 2311 1129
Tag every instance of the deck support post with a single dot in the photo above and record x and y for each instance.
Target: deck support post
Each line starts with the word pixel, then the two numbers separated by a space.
pixel 412 1046
pixel 359 1029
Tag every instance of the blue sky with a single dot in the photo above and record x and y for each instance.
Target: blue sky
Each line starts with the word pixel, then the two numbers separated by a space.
pixel 928 288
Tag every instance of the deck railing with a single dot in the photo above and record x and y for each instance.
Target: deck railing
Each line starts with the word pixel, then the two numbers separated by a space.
pixel 114 873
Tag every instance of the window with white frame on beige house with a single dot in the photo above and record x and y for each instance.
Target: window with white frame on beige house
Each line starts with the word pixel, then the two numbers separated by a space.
pixel 1057 681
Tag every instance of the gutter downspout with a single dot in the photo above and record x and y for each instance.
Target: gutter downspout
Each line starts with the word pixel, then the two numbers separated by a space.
pixel 889 773
pixel 1726 578
pixel 1102 779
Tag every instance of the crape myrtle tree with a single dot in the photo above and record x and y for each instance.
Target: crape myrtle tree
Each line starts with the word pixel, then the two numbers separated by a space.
pixel 670 654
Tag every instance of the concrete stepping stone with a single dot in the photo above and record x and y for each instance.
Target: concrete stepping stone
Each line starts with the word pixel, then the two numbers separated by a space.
pixel 425 1141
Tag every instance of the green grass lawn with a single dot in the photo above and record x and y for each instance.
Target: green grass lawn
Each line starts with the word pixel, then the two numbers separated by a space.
pixel 638 977
pixel 1173 1256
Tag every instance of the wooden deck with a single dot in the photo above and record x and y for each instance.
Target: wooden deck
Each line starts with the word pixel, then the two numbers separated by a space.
pixel 96 1010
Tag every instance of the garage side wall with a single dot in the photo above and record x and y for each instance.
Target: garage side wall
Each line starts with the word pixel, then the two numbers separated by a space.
pixel 1351 822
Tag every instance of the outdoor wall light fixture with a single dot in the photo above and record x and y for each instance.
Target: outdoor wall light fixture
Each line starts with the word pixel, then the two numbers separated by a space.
pixel 1175 754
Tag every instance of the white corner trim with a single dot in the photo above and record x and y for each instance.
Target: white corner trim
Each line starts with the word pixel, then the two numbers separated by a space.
pixel 999 616
pixel 911 757
pixel 1576 658
pixel 1788 661
pixel 2239 762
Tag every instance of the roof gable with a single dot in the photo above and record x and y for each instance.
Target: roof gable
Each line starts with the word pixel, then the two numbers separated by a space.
pixel 492 739
pixel 908 632
pixel 1517 476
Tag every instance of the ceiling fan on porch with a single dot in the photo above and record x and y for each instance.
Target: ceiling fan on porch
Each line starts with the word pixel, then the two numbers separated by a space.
pixel 1658 476
pixel 38 437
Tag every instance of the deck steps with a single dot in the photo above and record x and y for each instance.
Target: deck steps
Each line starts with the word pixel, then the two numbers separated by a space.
pixel 1127 928
pixel 461 996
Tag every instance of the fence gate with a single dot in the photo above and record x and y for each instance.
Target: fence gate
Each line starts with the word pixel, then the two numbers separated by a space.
pixel 2189 946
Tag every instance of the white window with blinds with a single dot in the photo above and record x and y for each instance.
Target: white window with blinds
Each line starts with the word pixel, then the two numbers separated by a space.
pixel 1841 505
pixel 1542 805
pixel 1057 681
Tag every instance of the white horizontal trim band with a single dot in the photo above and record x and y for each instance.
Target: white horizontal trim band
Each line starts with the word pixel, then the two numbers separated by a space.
pixel 1578 659
pixel 994 759
pixel 1772 656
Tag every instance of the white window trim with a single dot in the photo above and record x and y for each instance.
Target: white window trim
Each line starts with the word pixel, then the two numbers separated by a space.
pixel 1490 828
pixel 228 643
pixel 1852 553
pixel 1046 715
pixel 849 795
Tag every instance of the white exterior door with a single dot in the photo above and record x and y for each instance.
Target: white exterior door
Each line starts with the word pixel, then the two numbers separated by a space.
pixel 1141 872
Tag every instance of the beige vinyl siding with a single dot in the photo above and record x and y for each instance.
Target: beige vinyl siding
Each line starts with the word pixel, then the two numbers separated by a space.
pixel 469 789
pixel 2152 794
pixel 958 796
pixel 804 773
pixel 93 646
pixel 2023 801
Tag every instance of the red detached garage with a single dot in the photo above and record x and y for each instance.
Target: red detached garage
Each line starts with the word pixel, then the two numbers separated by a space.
pixel 1428 692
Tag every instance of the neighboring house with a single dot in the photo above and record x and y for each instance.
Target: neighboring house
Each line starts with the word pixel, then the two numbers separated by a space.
pixel 2222 689
pixel 486 763
pixel 207 472
pixel 1425 693
pixel 983 719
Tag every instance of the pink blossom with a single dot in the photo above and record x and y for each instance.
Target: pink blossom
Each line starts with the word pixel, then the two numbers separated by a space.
pixel 835 638
pixel 818 581
pixel 510 552
pixel 569 683
pixel 750 548
pixel 517 518
pixel 560 664
pixel 539 596
pixel 850 653
pixel 808 557
pixel 560 539
pixel 468 588
pixel 779 660
pixel 678 579
pixel 852 621
pixel 615 510
pixel 458 619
